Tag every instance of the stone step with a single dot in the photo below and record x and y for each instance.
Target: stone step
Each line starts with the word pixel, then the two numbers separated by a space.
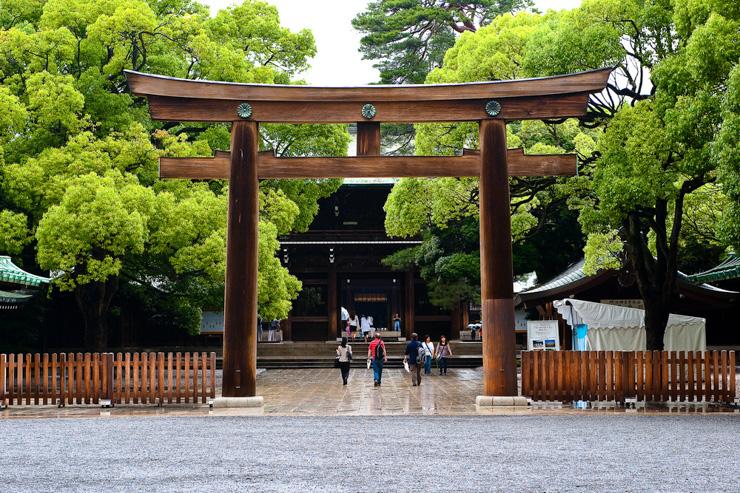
pixel 327 362
pixel 315 349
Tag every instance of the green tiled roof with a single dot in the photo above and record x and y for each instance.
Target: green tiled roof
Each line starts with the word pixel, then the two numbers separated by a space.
pixel 729 269
pixel 11 273
pixel 572 274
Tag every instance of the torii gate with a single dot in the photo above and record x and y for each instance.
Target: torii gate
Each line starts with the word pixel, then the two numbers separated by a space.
pixel 492 104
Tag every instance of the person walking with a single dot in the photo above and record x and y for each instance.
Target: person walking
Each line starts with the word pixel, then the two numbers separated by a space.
pixel 378 357
pixel 365 327
pixel 354 323
pixel 272 334
pixel 428 346
pixel 344 354
pixel 444 351
pixel 344 317
pixel 413 356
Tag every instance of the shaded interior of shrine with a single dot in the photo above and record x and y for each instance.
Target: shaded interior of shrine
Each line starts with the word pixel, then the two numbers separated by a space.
pixel 339 262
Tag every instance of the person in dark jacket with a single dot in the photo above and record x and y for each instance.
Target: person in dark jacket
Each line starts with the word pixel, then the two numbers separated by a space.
pixel 412 356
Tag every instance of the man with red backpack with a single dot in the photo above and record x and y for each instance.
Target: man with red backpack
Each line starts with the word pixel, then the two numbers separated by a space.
pixel 378 356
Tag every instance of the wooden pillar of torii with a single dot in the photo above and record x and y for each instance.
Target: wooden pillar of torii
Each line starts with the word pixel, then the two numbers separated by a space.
pixel 246 105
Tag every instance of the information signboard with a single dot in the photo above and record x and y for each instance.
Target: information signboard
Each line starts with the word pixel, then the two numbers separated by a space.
pixel 542 335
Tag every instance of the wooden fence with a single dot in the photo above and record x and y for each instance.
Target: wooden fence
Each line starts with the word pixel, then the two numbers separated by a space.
pixel 677 376
pixel 123 378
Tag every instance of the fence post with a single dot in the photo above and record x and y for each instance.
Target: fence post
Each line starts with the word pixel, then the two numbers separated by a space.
pixel 160 378
pixel 213 373
pixel 108 371
pixel 731 388
pixel 525 373
pixel 3 366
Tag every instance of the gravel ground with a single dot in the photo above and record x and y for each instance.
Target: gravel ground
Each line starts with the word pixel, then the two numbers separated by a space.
pixel 483 453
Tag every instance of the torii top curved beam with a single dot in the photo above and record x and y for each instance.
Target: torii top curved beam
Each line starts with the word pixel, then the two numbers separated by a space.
pixel 199 100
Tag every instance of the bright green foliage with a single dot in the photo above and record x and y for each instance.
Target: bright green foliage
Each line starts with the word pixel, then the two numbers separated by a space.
pixel 13 12
pixel 726 151
pixel 494 52
pixel 417 203
pixel 13 232
pixel 99 220
pixel 436 207
pixel 78 174
pixel 13 116
pixel 658 155
pixel 579 39
pixel 603 251
pixel 55 106
pixel 410 37
pixel 275 286
pixel 257 25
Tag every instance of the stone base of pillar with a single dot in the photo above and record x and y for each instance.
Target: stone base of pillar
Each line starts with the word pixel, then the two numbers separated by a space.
pixel 232 402
pixel 501 401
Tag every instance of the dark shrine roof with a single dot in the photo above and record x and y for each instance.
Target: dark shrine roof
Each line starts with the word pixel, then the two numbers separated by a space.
pixel 10 299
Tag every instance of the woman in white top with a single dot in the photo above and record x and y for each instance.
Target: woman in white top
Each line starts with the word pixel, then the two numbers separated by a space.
pixel 354 322
pixel 344 355
pixel 428 347
pixel 365 327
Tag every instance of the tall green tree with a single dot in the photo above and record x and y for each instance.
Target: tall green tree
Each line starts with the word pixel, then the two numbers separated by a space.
pixel 445 211
pixel 665 129
pixel 666 141
pixel 78 154
pixel 409 38
pixel 658 153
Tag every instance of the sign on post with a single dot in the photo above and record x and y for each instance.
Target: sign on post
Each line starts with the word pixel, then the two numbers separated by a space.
pixel 543 335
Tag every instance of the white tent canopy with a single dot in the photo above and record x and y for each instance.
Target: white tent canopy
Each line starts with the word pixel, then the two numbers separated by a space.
pixel 619 328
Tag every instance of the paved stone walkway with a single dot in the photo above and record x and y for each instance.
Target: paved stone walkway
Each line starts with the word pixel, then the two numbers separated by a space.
pixel 319 392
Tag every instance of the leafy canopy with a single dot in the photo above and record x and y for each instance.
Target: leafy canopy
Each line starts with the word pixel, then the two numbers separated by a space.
pixel 437 209
pixel 79 192
pixel 410 37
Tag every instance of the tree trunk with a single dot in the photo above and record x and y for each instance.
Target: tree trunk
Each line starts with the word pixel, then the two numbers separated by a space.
pixel 656 319
pixel 93 300
pixel 656 281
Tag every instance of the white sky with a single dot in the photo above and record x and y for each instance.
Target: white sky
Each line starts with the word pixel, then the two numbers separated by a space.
pixel 338 61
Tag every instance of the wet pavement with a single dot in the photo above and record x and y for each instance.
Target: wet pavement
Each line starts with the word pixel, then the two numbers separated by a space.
pixel 319 392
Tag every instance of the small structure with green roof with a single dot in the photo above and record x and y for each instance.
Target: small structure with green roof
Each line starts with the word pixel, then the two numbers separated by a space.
pixel 14 275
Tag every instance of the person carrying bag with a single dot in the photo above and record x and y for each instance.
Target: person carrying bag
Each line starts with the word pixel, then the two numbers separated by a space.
pixel 444 351
pixel 343 359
